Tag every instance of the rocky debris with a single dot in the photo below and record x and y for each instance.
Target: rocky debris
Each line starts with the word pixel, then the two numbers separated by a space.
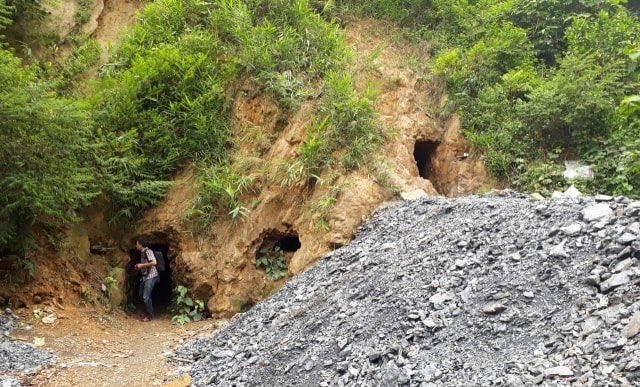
pixel 16 357
pixel 475 291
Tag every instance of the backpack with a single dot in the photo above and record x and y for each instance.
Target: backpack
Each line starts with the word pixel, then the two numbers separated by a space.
pixel 161 266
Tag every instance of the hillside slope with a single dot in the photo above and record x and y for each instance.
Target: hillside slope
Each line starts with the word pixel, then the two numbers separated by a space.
pixel 218 263
pixel 312 219
pixel 484 290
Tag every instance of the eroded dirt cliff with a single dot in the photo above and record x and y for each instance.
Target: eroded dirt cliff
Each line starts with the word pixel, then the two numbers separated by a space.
pixel 425 155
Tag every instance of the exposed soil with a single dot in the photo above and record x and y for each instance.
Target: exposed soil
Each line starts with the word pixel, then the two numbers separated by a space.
pixel 115 16
pixel 112 349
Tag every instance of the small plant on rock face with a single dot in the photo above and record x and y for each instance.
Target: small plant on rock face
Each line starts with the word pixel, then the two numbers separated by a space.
pixel 25 265
pixel 109 285
pixel 273 262
pixel 184 308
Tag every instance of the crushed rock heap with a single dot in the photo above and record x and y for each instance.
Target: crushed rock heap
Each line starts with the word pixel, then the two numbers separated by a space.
pixel 483 290
pixel 16 357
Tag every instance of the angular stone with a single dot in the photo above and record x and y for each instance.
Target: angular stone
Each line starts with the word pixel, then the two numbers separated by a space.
pixel 558 251
pixel 572 229
pixel 501 295
pixel 623 265
pixel 220 353
pixel 430 372
pixel 632 366
pixel 390 375
pixel 591 325
pixel 429 323
pixel 627 238
pixel 440 298
pixel 558 371
pixel 615 281
pixel 607 369
pixel 626 252
pixel 494 308
pixel 596 211
pixel 633 327
pixel 593 280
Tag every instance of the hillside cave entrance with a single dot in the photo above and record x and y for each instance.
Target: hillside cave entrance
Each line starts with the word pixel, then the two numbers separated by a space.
pixel 424 152
pixel 276 243
pixel 162 291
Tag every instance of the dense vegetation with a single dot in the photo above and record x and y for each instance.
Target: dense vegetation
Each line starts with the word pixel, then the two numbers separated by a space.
pixel 163 102
pixel 534 82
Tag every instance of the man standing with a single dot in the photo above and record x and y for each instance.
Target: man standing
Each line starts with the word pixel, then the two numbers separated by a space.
pixel 150 276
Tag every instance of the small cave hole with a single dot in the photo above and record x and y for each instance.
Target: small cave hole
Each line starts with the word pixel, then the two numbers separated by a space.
pixel 423 153
pixel 288 244
pixel 275 253
pixel 162 291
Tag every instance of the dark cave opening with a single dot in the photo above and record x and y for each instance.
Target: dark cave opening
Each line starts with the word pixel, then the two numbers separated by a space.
pixel 288 243
pixel 423 153
pixel 162 291
pixel 279 244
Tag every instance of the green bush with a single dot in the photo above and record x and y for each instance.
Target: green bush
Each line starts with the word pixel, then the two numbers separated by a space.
pixel 220 190
pixel 321 207
pixel 166 110
pixel 345 122
pixel 85 54
pixel 44 139
pixel 6 12
pixel 83 13
pixel 164 90
pixel 543 175
pixel 616 159
pixel 527 77
pixel 184 308
pixel 573 104
pixel 272 260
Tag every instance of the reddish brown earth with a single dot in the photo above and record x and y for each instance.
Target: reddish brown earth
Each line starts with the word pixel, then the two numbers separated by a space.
pixel 98 349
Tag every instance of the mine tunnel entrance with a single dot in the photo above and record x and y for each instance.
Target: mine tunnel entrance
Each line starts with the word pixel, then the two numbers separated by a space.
pixel 162 291
pixel 423 152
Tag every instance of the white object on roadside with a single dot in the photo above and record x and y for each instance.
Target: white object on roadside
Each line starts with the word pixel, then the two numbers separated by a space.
pixel 575 169
pixel 50 319
pixel 571 192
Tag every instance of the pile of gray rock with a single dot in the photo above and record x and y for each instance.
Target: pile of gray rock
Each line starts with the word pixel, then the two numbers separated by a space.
pixel 18 358
pixel 478 291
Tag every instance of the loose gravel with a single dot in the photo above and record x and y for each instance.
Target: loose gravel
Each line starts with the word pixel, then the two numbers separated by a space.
pixel 18 358
pixel 487 290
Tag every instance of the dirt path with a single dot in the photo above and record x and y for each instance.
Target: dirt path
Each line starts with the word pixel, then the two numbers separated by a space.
pixel 95 349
